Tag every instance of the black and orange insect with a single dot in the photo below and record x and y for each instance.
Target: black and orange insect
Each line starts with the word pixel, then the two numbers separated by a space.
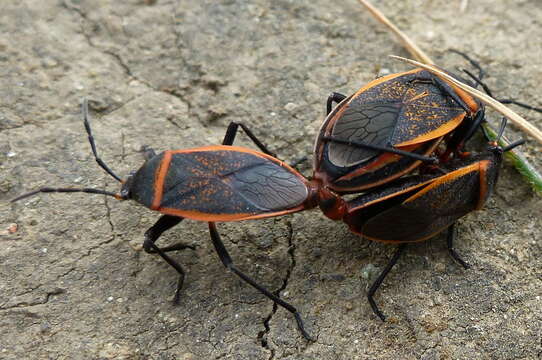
pixel 417 208
pixel 230 183
pixel 389 127
pixel 212 184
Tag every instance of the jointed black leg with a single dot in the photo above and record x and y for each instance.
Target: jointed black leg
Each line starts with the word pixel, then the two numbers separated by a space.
pixel 231 132
pixel 228 263
pixel 478 81
pixel 93 145
pixel 333 97
pixel 462 135
pixel 450 242
pixel 446 89
pixel 298 161
pixel 503 101
pixel 376 147
pixel 380 279
pixel 166 222
pixel 476 64
pixel 523 105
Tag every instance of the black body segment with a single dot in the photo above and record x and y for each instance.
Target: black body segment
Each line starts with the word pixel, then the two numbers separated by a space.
pixel 421 106
pixel 141 185
pixel 379 170
pixel 224 182
pixel 425 216
pixel 408 212
pixel 408 111
pixel 371 123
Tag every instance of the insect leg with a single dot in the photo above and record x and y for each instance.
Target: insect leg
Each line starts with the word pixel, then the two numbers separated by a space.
pixel 450 242
pixel 447 89
pixel 380 279
pixel 231 132
pixel 166 222
pixel 523 105
pixel 380 148
pixel 298 161
pixel 503 101
pixel 228 263
pixel 474 63
pixel 463 134
pixel 333 97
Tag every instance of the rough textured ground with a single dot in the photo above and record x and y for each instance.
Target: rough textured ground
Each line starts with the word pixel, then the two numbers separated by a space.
pixel 74 283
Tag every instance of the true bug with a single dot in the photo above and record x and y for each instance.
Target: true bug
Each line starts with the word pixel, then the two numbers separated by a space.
pixel 230 183
pixel 214 183
pixel 388 127
pixel 421 206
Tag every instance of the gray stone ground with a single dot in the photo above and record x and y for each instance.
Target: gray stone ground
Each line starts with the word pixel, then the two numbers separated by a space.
pixel 74 283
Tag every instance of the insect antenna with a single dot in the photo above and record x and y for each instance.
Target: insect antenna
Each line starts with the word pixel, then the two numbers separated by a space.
pixel 67 190
pixel 500 135
pixel 93 145
pixel 501 129
pixel 96 157
pixel 513 145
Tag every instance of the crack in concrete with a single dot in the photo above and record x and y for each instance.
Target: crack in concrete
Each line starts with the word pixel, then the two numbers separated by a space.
pixel 62 119
pixel 170 120
pixel 108 215
pixel 70 7
pixel 126 68
pixel 45 300
pixel 262 336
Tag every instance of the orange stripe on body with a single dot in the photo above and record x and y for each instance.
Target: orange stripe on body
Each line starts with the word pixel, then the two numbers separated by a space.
pixel 444 179
pixel 384 79
pixel 199 216
pixel 196 215
pixel 391 195
pixel 159 178
pixel 483 183
pixel 469 100
pixel 446 128
pixel 380 162
pixel 480 166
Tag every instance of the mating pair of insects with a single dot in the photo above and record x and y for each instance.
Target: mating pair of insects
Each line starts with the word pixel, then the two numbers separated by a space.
pixel 398 142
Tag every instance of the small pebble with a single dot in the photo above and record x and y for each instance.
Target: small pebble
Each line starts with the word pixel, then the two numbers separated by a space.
pixel 384 72
pixel 12 228
pixel 368 271
pixel 290 107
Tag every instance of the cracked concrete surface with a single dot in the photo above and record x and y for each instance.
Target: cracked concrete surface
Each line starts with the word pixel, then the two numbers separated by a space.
pixel 172 74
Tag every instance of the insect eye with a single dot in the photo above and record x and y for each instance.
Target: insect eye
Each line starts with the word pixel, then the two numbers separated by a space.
pixel 126 186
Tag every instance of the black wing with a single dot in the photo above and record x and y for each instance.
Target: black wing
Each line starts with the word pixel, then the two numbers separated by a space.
pixel 370 123
pixel 230 182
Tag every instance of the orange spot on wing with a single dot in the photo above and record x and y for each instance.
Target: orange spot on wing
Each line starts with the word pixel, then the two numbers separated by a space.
pixel 446 128
pixel 384 79
pixel 242 150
